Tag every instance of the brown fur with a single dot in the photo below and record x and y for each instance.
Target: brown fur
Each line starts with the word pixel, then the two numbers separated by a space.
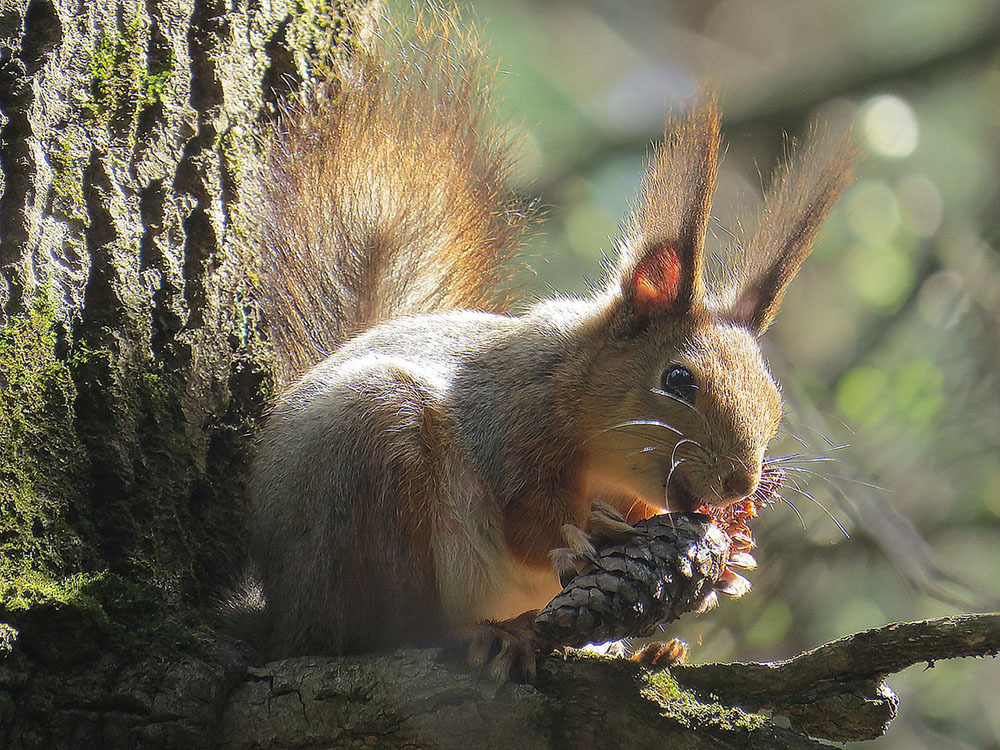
pixel 802 193
pixel 675 197
pixel 404 125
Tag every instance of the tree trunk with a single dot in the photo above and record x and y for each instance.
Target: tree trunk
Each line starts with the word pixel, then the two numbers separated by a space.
pixel 132 370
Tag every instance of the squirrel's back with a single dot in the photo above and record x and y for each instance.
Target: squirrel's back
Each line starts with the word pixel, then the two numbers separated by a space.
pixel 385 196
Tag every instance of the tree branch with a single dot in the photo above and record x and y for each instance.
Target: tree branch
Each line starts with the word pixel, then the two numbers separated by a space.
pixel 418 699
pixel 837 691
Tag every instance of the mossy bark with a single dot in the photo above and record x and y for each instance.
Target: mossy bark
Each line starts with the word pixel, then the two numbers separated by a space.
pixel 132 370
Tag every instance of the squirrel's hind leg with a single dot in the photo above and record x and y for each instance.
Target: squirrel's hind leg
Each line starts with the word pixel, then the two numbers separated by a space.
pixel 503 650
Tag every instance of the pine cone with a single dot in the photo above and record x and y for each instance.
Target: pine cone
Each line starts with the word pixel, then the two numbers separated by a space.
pixel 669 566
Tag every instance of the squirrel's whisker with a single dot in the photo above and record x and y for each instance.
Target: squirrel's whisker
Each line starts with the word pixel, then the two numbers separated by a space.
pixel 798 457
pixel 647 423
pixel 692 407
pixel 650 438
pixel 666 483
pixel 632 507
pixel 647 449
pixel 791 435
pixel 795 486
pixel 737 460
pixel 829 478
pixel 633 423
pixel 795 510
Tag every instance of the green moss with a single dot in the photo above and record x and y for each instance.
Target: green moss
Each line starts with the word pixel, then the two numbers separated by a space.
pixel 68 160
pixel 686 709
pixel 41 461
pixel 143 461
pixel 41 465
pixel 314 35
pixel 122 83
pixel 110 525
pixel 8 637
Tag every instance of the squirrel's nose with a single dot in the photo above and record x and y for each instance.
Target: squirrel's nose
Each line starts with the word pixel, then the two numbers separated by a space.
pixel 738 485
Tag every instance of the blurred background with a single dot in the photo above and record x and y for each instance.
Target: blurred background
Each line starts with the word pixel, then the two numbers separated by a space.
pixel 888 344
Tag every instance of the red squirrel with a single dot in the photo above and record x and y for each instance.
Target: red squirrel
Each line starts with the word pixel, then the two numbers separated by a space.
pixel 414 482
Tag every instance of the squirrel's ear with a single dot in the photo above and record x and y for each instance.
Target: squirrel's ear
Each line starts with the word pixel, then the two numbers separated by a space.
pixel 801 195
pixel 663 244
pixel 656 283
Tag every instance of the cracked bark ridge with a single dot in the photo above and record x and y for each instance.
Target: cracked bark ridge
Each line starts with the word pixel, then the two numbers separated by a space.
pixel 632 587
pixel 151 701
pixel 129 178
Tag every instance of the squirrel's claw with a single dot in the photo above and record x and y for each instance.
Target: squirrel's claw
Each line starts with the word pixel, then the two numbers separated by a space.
pixel 567 561
pixel 566 564
pixel 607 524
pixel 579 541
pixel 503 650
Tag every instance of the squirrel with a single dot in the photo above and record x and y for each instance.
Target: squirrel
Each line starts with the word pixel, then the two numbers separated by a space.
pixel 412 484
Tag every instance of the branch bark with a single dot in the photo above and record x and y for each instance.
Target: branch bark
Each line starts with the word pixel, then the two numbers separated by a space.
pixel 418 699
pixel 838 691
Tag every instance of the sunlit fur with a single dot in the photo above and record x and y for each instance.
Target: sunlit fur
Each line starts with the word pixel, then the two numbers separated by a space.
pixel 416 479
pixel 404 123
pixel 641 434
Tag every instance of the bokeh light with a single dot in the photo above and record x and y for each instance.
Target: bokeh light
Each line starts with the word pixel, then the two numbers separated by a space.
pixel 890 127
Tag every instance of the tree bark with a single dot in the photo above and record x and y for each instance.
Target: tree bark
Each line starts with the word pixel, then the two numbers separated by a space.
pixel 417 699
pixel 132 369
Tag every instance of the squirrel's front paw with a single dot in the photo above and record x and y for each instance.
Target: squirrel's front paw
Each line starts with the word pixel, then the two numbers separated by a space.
pixel 504 650
pixel 605 525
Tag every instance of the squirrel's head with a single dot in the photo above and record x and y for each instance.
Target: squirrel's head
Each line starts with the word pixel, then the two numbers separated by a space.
pixel 680 401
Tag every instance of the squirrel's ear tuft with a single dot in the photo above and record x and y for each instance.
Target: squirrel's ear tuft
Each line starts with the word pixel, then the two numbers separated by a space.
pixel 662 247
pixel 801 195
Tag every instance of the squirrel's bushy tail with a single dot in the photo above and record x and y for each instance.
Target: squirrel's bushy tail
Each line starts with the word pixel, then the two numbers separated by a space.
pixel 386 195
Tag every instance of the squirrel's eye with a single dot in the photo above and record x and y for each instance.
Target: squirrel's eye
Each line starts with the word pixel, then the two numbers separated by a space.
pixel 678 381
